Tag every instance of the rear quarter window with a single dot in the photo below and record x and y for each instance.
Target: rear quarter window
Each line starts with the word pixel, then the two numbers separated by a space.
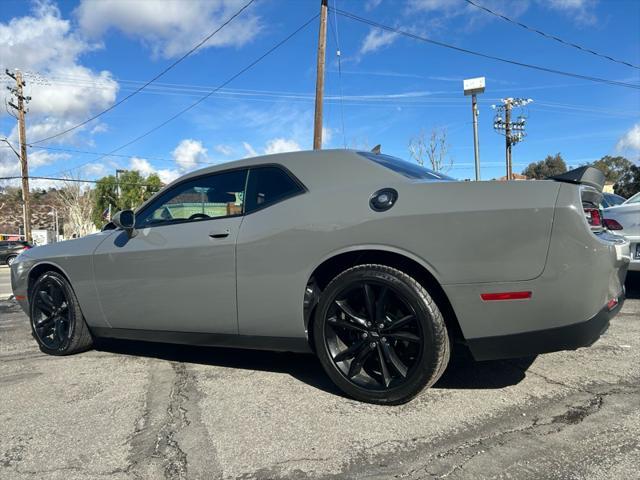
pixel 268 185
pixel 407 169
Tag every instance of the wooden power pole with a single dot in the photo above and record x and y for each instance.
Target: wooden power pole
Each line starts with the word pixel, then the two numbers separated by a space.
pixel 507 137
pixel 22 132
pixel 322 47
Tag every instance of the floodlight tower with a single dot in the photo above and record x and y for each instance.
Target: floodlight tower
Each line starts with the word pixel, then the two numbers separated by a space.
pixel 473 86
pixel 513 132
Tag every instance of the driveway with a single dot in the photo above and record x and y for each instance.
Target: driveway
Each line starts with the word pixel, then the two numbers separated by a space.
pixel 142 411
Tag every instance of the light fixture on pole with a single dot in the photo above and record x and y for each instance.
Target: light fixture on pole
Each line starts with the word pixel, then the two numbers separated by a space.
pixel 473 86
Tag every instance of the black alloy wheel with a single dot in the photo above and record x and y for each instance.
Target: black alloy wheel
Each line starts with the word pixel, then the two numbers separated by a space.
pixel 56 321
pixel 382 337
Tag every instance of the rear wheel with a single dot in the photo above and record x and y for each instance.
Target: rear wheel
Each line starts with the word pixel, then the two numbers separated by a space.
pixel 379 335
pixel 56 320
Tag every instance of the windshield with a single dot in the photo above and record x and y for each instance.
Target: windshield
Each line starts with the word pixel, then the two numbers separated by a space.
pixel 611 200
pixel 634 199
pixel 409 170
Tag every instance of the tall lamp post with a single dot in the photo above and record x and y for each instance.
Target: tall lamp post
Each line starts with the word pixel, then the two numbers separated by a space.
pixel 473 86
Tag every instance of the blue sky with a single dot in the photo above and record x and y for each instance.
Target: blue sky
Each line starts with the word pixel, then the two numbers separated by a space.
pixel 81 57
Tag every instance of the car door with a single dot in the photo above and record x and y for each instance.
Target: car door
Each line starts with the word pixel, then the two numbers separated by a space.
pixel 269 291
pixel 177 273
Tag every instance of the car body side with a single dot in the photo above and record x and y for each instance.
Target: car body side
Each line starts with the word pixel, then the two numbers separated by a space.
pixel 628 216
pixel 469 237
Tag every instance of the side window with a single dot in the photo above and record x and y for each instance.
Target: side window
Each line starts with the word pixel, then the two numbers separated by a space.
pixel 268 185
pixel 212 196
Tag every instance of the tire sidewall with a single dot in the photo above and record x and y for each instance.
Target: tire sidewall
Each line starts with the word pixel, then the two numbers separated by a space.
pixel 427 363
pixel 73 312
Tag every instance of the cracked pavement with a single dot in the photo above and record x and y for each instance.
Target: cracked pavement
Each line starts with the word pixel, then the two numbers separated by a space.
pixel 140 411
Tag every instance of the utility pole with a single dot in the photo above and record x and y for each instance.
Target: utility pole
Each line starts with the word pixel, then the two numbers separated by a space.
pixel 507 138
pixel 473 86
pixel 322 47
pixel 21 100
pixel 514 132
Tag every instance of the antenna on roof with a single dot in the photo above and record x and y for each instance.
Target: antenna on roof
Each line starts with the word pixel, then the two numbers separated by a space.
pixel 377 149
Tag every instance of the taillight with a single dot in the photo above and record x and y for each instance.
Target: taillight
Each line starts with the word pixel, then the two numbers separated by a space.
pixel 594 219
pixel 612 224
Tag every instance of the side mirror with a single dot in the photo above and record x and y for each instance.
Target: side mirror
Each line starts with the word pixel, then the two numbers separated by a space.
pixel 125 220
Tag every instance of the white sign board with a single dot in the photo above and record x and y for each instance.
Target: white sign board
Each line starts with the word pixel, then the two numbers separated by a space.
pixel 473 85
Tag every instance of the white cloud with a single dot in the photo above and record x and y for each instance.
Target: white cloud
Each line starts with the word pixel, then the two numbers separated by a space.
pixel 372 4
pixel 171 27
pixel 145 168
pixel 275 145
pixel 44 46
pixel 189 153
pixel 249 149
pixel 224 149
pixel 630 141
pixel 435 5
pixel 94 170
pixel 281 145
pixel 10 164
pixel 580 10
pixel 376 39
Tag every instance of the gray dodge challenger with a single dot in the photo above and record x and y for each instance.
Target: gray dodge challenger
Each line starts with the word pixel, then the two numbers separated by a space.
pixel 374 264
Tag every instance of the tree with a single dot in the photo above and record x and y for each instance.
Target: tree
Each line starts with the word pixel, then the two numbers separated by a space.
pixel 134 190
pixel 550 166
pixel 77 206
pixel 435 149
pixel 613 167
pixel 629 184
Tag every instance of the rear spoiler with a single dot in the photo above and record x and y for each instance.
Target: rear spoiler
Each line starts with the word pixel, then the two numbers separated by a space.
pixel 590 176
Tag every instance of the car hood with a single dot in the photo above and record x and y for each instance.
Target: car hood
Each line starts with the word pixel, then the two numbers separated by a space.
pixel 78 246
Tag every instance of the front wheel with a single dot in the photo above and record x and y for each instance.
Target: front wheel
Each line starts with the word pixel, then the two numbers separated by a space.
pixel 10 259
pixel 57 323
pixel 379 335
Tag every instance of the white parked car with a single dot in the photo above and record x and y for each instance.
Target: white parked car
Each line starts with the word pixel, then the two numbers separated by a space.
pixel 624 219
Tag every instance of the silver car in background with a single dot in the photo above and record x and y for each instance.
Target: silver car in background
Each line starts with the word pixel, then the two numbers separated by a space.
pixel 624 219
pixel 373 264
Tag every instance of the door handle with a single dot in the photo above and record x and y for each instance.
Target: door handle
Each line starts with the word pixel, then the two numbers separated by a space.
pixel 225 233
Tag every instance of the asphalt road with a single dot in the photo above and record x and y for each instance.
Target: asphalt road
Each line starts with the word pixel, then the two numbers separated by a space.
pixel 140 411
pixel 5 282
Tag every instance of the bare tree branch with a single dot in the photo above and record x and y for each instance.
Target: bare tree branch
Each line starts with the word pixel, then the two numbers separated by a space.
pixel 435 149
pixel 77 205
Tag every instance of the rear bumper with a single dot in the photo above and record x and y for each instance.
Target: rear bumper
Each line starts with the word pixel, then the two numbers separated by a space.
pixel 567 337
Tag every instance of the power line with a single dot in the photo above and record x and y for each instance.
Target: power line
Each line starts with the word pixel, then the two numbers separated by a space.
pixel 77 180
pixel 336 38
pixel 138 90
pixel 203 98
pixel 550 36
pixel 485 55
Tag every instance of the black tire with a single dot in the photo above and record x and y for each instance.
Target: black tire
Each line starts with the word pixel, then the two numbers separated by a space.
pixel 9 260
pixel 414 358
pixel 57 323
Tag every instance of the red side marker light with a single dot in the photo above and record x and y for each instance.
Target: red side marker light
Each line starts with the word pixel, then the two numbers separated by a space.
pixel 611 304
pixel 487 297
pixel 20 297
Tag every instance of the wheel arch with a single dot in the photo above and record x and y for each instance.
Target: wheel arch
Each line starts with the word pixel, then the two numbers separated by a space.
pixel 324 272
pixel 40 268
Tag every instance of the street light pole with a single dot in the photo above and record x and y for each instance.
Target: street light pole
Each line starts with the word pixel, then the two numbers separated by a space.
pixel 476 146
pixel 473 86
